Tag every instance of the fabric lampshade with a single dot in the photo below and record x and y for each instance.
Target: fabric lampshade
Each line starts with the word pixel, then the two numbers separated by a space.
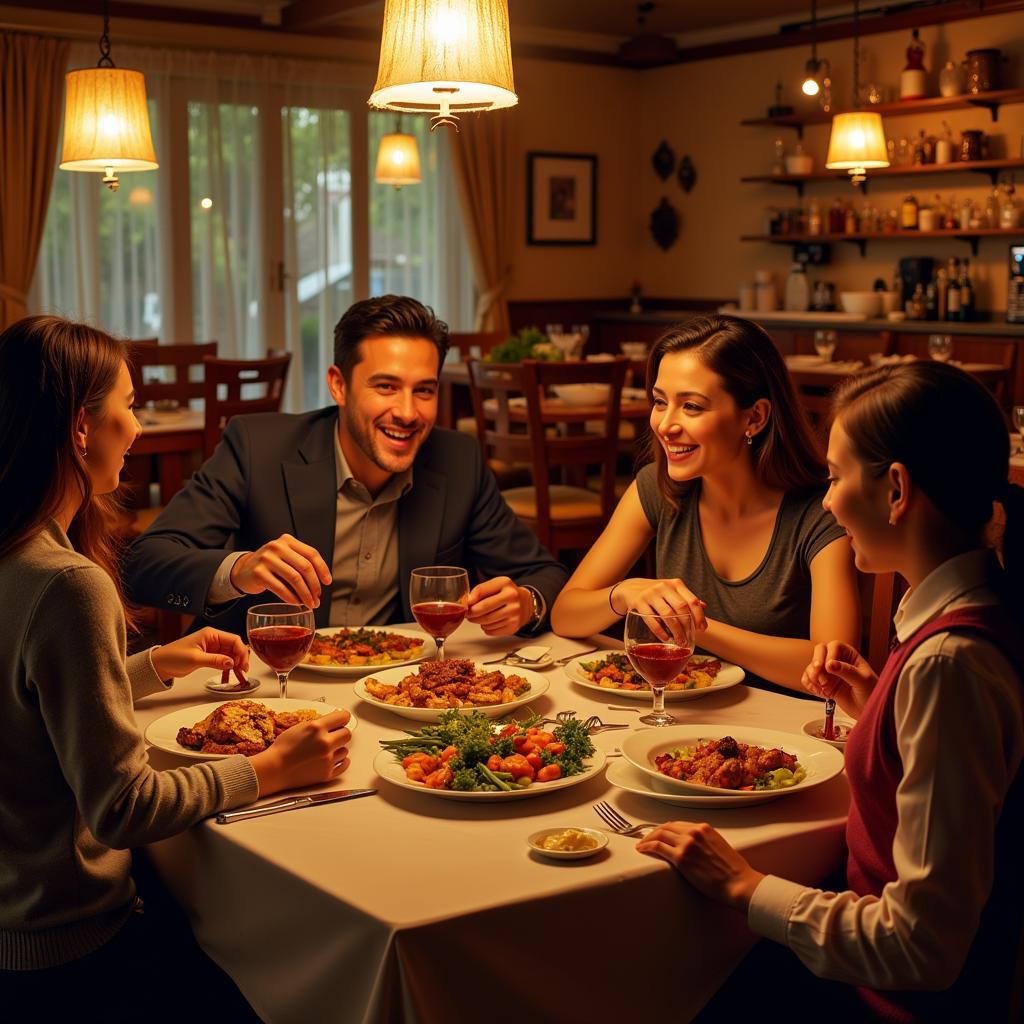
pixel 857 142
pixel 398 160
pixel 106 121
pixel 441 55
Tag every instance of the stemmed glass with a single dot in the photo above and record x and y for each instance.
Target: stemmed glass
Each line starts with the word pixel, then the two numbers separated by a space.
pixel 940 346
pixel 658 647
pixel 1018 422
pixel 280 635
pixel 825 344
pixel 439 595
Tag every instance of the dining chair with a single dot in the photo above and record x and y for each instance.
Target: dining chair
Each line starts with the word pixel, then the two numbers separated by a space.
pixel 465 341
pixel 150 365
pixel 562 515
pixel 880 596
pixel 228 391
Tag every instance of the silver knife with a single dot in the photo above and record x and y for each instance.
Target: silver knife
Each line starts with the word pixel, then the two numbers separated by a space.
pixel 292 804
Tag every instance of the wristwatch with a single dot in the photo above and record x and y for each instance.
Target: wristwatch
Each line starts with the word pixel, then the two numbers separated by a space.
pixel 538 608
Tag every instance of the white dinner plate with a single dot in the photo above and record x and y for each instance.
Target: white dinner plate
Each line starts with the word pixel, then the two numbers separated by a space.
pixel 163 732
pixel 385 765
pixel 728 676
pixel 812 727
pixel 623 775
pixel 821 761
pixel 354 671
pixel 393 676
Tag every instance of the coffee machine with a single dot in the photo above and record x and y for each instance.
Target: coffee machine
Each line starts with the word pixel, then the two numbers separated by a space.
pixel 1015 287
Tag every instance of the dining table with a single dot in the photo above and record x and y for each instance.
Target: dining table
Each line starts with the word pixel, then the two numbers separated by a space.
pixel 174 438
pixel 404 906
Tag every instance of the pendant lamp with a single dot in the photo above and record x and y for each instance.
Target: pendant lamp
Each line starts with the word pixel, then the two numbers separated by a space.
pixel 817 72
pixel 444 57
pixel 106 121
pixel 857 142
pixel 398 159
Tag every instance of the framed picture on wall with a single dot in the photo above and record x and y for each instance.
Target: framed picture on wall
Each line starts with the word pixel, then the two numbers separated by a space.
pixel 561 199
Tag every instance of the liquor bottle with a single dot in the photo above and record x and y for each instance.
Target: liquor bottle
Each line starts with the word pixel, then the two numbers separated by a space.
pixel 908 214
pixel 931 302
pixel 966 293
pixel 916 311
pixel 941 287
pixel 953 294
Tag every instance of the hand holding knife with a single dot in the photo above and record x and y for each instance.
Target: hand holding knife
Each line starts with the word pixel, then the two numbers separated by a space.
pixel 292 803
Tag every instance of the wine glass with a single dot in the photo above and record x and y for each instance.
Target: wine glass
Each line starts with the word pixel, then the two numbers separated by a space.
pixel 1018 422
pixel 439 595
pixel 940 346
pixel 825 344
pixel 658 647
pixel 280 635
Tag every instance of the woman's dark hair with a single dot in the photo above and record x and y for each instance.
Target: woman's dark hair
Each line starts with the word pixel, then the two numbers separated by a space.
pixel 947 429
pixel 49 370
pixel 385 315
pixel 786 454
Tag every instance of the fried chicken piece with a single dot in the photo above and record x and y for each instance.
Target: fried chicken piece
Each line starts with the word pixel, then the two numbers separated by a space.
pixel 286 719
pixel 190 738
pixel 209 747
pixel 379 690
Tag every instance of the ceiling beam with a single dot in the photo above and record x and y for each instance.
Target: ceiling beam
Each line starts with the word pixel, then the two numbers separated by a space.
pixel 303 15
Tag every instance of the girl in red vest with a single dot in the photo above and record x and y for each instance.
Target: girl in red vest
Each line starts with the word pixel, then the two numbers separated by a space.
pixel 930 928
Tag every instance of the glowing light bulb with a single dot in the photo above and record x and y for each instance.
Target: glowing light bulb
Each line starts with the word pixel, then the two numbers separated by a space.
pixel 447 27
pixel 110 123
pixel 857 138
pixel 810 87
pixel 398 158
pixel 206 203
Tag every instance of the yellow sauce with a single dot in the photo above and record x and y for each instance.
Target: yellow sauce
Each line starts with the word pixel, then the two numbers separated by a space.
pixel 570 839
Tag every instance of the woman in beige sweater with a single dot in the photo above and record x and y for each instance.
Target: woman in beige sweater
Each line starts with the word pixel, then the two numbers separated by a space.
pixel 76 790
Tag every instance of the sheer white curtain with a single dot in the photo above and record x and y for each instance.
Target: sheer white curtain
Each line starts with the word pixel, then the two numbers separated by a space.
pixel 417 245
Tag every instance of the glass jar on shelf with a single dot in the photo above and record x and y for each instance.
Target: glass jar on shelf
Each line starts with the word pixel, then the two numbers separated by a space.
pixel 951 79
pixel 909 213
pixel 966 214
pixel 926 218
pixel 992 209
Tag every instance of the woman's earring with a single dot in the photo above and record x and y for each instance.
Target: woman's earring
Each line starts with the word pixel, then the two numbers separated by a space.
pixel 83 451
pixel 749 437
pixel 892 519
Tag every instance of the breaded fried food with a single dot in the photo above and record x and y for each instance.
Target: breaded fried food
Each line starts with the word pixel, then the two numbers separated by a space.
pixel 452 683
pixel 240 727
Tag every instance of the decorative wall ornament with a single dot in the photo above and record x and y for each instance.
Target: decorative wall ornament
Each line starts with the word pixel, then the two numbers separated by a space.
pixel 665 224
pixel 687 173
pixel 664 160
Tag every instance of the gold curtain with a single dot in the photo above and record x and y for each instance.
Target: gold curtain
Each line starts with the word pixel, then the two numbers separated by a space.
pixel 482 156
pixel 31 96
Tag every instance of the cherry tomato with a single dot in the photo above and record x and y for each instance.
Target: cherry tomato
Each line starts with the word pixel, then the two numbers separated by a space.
pixel 549 773
pixel 494 762
pixel 534 760
pixel 555 748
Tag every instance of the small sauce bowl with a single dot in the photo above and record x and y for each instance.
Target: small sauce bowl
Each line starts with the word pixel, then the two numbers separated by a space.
pixel 600 839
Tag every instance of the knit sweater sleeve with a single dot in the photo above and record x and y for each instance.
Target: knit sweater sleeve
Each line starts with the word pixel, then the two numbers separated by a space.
pixel 75 660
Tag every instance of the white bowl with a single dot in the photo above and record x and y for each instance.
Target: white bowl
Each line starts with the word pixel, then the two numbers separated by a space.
pixel 582 394
pixel 599 837
pixel 867 304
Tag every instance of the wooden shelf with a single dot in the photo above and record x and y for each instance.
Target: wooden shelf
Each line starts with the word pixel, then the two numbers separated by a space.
pixel 990 101
pixel 971 236
pixel 992 168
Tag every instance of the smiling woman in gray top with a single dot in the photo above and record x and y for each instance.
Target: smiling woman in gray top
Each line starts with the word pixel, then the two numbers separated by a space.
pixel 732 501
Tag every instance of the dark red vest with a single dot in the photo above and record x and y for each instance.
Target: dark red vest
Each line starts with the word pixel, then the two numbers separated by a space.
pixel 874 769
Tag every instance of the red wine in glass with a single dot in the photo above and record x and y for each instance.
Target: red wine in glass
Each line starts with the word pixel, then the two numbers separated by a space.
pixel 280 635
pixel 439 597
pixel 659 663
pixel 658 647
pixel 281 647
pixel 439 618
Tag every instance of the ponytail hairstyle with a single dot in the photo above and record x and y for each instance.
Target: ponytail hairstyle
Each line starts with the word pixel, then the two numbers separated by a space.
pixel 51 369
pixel 786 455
pixel 947 429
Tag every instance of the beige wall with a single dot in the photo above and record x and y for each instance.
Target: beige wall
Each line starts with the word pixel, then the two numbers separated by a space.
pixel 578 108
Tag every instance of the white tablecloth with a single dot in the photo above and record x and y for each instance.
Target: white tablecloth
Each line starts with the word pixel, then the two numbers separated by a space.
pixel 408 907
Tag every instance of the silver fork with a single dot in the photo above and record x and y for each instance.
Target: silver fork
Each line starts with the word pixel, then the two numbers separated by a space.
pixel 617 823
pixel 572 657
pixel 594 724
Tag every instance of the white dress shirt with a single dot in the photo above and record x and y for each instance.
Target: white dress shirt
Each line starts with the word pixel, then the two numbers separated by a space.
pixel 959 720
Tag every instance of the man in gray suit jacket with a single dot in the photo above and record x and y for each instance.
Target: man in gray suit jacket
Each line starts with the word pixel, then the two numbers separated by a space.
pixel 336 507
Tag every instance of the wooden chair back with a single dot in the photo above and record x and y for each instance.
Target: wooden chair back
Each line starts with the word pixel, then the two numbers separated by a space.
pixel 228 391
pixel 151 363
pixel 494 385
pixel 464 341
pixel 880 596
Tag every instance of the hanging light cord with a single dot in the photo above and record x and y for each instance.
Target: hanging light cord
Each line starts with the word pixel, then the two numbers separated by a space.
pixel 814 31
pixel 856 55
pixel 105 61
